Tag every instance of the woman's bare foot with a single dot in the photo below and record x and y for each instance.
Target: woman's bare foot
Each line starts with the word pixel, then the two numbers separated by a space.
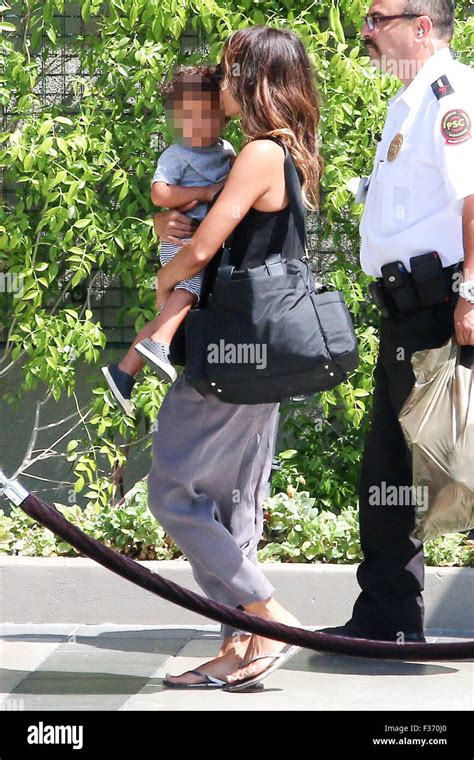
pixel 258 645
pixel 237 643
pixel 229 658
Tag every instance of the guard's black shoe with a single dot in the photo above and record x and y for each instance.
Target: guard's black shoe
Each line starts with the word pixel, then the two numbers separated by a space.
pixel 353 632
pixel 121 384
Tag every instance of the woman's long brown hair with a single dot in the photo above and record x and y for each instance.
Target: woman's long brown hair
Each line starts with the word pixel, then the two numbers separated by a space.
pixel 269 74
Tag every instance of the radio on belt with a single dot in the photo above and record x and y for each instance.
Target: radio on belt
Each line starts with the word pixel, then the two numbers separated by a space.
pixel 399 283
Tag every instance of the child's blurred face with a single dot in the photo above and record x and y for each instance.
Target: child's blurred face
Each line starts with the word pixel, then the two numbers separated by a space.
pixel 197 119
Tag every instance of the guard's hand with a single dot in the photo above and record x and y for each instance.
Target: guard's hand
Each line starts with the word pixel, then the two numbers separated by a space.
pixel 464 322
pixel 173 225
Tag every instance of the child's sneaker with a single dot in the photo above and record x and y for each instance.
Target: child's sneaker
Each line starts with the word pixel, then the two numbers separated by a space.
pixel 121 384
pixel 156 355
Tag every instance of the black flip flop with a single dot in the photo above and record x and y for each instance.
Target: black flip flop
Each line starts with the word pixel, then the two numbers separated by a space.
pixel 210 682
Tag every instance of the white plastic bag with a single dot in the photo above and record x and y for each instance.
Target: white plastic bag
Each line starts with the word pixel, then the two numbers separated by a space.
pixel 438 423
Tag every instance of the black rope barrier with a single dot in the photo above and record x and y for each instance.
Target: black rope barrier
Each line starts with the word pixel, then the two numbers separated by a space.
pixel 51 518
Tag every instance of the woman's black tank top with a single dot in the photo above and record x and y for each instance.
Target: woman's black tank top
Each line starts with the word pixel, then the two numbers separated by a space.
pixel 261 233
pixel 257 235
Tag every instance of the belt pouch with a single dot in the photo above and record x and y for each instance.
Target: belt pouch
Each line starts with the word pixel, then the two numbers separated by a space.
pixel 432 282
pixel 400 285
pixel 382 299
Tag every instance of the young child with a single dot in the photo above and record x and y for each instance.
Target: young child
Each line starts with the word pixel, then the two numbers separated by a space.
pixel 192 168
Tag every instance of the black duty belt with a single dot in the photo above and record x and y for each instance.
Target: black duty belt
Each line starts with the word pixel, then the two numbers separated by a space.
pixel 400 292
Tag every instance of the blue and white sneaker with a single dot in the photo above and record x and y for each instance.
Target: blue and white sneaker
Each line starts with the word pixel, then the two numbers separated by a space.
pixel 156 355
pixel 121 384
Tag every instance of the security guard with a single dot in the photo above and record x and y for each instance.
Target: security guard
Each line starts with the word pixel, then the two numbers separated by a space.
pixel 416 230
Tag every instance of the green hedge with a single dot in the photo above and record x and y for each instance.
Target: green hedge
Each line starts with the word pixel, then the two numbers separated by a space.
pixel 295 531
pixel 83 176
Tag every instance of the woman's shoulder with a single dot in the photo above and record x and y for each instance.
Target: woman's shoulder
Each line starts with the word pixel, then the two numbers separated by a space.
pixel 264 156
pixel 263 150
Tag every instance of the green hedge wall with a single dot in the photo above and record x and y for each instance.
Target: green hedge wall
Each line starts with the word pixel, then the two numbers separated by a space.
pixel 82 176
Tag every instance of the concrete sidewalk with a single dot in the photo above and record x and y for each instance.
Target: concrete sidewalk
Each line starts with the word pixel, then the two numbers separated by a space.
pixel 120 667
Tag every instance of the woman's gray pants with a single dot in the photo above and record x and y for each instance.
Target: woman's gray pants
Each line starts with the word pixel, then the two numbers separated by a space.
pixel 211 464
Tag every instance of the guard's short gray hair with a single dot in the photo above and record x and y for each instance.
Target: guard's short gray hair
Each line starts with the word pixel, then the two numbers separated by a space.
pixel 441 12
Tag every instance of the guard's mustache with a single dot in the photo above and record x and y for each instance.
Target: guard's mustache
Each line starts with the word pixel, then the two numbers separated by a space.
pixel 368 43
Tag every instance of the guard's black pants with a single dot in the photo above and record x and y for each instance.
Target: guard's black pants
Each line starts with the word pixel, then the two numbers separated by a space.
pixel 392 574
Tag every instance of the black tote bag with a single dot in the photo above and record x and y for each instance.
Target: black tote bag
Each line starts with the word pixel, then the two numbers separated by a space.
pixel 266 334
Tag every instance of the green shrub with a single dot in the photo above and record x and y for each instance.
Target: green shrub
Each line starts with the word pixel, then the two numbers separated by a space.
pixel 129 528
pixel 452 549
pixel 295 530
pixel 81 173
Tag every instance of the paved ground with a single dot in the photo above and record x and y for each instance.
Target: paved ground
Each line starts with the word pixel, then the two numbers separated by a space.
pixel 111 667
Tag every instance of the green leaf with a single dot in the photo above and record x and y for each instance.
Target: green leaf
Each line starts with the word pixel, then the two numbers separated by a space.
pixel 288 454
pixel 63 146
pixel 77 278
pixel 123 192
pixel 45 127
pixel 29 161
pixel 51 34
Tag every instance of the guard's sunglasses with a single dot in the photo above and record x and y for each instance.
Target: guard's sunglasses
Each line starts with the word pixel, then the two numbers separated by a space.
pixel 374 19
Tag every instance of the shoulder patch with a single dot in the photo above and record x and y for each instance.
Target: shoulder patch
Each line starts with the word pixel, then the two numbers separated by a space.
pixel 442 87
pixel 456 126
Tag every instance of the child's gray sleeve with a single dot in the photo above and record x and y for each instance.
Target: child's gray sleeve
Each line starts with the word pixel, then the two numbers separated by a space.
pixel 170 168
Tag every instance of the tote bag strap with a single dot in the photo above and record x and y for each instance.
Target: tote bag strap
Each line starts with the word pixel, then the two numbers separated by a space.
pixel 293 188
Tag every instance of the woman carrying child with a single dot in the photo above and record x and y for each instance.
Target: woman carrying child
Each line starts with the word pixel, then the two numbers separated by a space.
pixel 211 460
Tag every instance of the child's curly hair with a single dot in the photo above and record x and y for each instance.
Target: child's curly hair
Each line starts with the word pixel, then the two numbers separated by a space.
pixel 199 78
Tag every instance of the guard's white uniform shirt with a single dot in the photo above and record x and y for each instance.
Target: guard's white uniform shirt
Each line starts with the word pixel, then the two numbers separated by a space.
pixel 414 203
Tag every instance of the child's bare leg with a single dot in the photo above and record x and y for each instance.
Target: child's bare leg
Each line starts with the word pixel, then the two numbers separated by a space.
pixel 172 314
pixel 161 329
pixel 132 362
